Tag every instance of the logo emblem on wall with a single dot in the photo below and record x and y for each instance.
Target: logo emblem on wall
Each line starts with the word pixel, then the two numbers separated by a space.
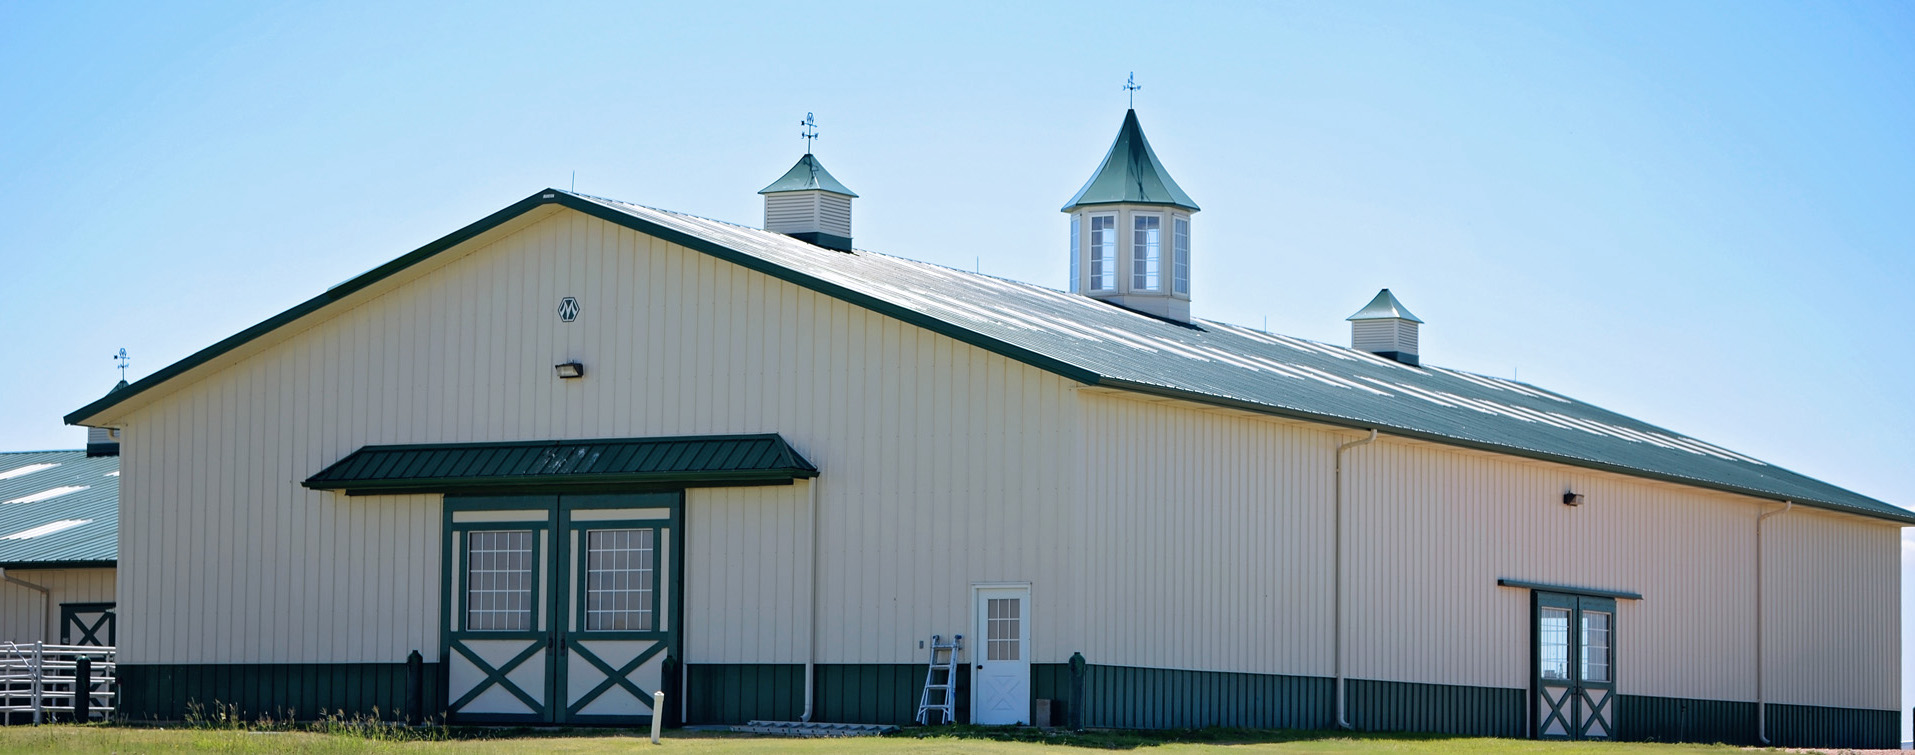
pixel 568 309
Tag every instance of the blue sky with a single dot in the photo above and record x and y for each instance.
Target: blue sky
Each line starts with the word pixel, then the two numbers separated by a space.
pixel 1698 214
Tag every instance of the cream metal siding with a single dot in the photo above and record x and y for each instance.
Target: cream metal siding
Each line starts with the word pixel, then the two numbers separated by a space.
pixel 1208 547
pixel 25 616
pixel 230 560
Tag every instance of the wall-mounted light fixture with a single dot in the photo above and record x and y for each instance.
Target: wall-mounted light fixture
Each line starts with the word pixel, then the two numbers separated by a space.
pixel 569 370
pixel 1572 499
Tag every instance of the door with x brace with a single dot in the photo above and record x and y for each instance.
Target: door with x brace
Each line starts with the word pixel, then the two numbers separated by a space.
pixel 559 609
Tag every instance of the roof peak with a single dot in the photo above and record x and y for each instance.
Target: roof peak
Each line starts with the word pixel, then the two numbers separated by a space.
pixel 1384 307
pixel 807 175
pixel 1131 174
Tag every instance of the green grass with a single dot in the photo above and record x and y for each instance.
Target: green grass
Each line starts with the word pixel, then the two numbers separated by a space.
pixel 67 738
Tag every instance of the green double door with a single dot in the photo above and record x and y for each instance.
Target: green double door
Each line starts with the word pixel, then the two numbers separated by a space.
pixel 1574 692
pixel 560 609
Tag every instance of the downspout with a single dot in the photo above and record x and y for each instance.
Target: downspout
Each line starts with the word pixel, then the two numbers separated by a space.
pixel 46 595
pixel 1336 626
pixel 811 609
pixel 1761 708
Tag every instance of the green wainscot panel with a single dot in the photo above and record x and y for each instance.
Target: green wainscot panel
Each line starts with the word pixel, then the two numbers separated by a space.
pixel 855 693
pixel 1441 708
pixel 301 691
pixel 1643 718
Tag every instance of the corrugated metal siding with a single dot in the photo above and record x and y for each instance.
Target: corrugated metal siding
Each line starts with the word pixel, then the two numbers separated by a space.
pixel 299 691
pixel 1205 540
pixel 238 563
pixel 1448 709
pixel 1834 606
pixel 1147 698
pixel 24 616
pixel 1668 719
pixel 1245 505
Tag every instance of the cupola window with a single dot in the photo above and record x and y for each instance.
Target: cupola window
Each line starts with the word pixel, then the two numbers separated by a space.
pixel 1075 252
pixel 1147 252
pixel 1103 253
pixel 1180 253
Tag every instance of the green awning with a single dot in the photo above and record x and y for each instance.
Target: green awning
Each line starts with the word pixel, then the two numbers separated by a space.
pixel 695 461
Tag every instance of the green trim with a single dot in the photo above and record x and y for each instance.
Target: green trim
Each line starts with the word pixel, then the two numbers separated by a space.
pixel 300 691
pixel 309 306
pixel 549 466
pixel 1567 590
pixel 59 565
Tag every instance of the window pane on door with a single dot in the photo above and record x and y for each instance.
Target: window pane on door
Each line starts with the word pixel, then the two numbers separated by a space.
pixel 618 580
pixel 1002 624
pixel 498 578
pixel 1595 646
pixel 1553 643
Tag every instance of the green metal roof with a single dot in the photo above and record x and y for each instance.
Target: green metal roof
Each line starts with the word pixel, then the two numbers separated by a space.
pixel 1384 307
pixel 808 174
pixel 1131 174
pixel 59 509
pixel 439 467
pixel 1216 363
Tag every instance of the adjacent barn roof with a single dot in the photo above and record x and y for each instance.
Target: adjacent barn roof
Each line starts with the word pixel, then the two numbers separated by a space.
pixel 59 509
pixel 1097 343
pixel 442 467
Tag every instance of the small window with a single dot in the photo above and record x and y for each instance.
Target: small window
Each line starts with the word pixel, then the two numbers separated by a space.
pixel 1180 250
pixel 1146 252
pixel 1003 622
pixel 1595 646
pixel 619 566
pixel 1103 253
pixel 1553 644
pixel 1075 251
pixel 498 579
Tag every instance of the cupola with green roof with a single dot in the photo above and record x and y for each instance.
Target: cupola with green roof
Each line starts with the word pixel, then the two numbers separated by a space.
pixel 1386 328
pixel 1130 231
pixel 808 204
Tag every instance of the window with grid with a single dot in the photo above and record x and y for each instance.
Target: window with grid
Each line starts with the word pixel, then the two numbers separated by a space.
pixel 498 578
pixel 1001 629
pixel 1554 642
pixel 1146 252
pixel 1103 253
pixel 1595 646
pixel 1180 251
pixel 618 580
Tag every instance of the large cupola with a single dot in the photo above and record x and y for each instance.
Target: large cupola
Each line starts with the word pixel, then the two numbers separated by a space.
pixel 807 204
pixel 1130 231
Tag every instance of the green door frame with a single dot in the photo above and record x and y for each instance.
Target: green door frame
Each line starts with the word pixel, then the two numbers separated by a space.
pixel 556 594
pixel 71 619
pixel 1575 709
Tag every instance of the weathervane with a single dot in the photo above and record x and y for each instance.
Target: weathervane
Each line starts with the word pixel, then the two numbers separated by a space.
pixel 1131 87
pixel 810 132
pixel 122 359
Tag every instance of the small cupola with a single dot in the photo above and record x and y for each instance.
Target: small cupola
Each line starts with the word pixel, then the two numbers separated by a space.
pixel 1385 328
pixel 1130 231
pixel 807 204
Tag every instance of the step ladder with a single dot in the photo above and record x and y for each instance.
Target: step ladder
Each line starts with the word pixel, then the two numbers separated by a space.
pixel 940 681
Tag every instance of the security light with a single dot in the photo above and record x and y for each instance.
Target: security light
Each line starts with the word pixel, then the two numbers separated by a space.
pixel 569 370
pixel 1572 499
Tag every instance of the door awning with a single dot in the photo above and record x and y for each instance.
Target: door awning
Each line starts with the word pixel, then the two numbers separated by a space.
pixel 692 461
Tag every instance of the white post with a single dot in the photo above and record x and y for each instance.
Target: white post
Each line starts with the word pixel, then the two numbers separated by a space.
pixel 658 713
pixel 39 676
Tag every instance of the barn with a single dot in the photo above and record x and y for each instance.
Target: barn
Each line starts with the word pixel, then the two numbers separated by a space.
pixel 58 545
pixel 584 450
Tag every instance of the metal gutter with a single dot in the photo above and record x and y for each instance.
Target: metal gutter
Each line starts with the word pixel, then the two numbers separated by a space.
pixel 1336 588
pixel 1762 706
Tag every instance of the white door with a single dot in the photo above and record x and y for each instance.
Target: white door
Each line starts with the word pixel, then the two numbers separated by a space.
pixel 1001 656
